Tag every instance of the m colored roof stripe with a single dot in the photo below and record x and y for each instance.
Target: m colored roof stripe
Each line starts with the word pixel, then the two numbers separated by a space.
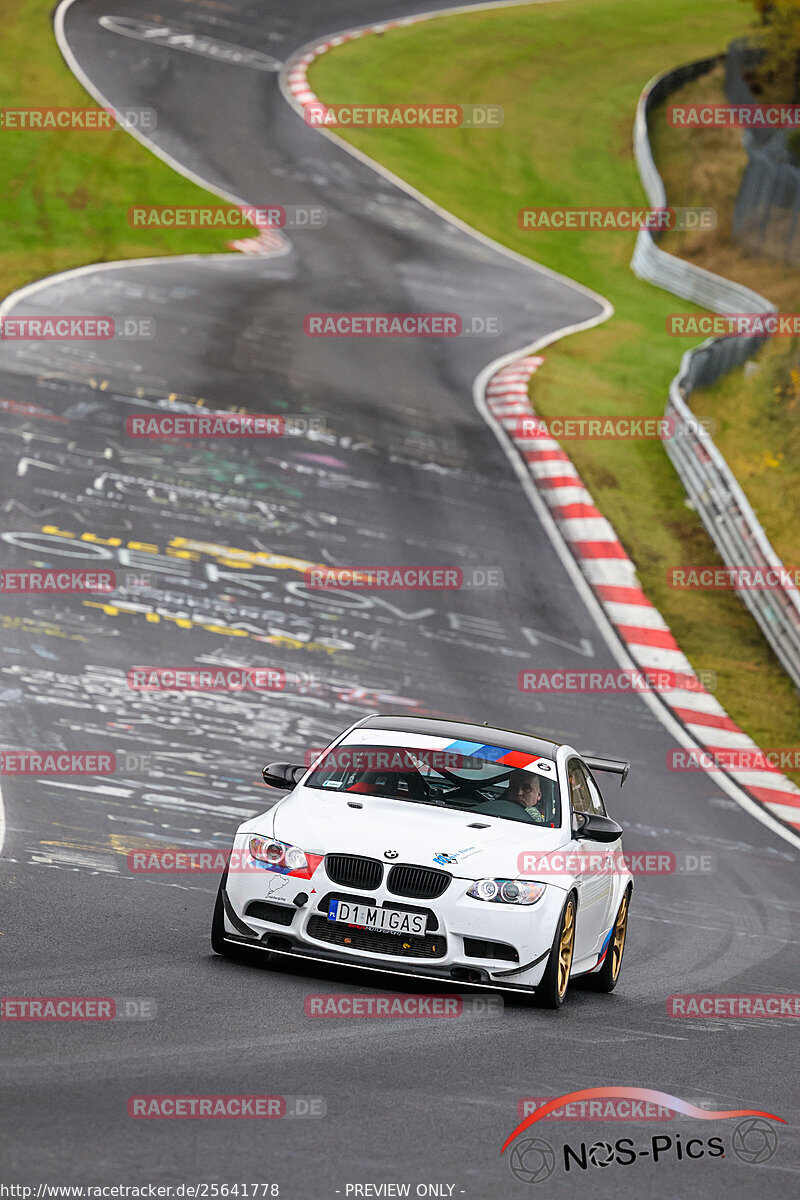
pixel 515 758
pixel 490 753
pixel 463 747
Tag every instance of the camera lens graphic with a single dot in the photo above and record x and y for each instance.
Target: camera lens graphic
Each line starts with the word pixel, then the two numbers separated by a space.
pixel 532 1160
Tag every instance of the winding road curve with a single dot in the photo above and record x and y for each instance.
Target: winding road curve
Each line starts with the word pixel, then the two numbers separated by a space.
pixel 406 471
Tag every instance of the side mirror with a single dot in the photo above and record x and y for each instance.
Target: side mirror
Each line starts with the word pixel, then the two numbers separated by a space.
pixel 282 775
pixel 596 827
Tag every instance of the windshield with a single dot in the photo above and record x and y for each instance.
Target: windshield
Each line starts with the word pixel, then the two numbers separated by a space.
pixel 523 789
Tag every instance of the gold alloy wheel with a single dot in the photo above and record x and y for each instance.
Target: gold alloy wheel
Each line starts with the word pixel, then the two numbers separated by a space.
pixel 565 948
pixel 619 937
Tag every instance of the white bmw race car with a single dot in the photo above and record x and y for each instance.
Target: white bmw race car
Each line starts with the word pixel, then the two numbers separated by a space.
pixel 435 849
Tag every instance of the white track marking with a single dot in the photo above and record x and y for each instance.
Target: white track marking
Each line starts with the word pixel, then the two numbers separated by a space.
pixel 10 301
pixel 283 81
pixel 604 626
pixel 30 289
pixel 93 90
pixel 480 386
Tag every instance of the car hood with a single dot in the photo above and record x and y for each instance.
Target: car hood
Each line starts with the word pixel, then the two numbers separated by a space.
pixel 325 823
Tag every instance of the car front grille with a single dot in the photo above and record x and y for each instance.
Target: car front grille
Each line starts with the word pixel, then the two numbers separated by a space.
pixel 375 941
pixel 421 883
pixel 349 870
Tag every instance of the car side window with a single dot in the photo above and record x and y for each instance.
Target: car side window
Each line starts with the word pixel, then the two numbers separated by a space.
pixel 598 805
pixel 578 788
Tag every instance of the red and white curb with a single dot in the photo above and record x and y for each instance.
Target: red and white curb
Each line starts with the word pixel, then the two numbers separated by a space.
pixel 612 577
pixel 267 243
pixel 297 75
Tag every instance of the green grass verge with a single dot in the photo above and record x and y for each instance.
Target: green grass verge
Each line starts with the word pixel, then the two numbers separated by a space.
pixel 568 76
pixel 757 417
pixel 65 195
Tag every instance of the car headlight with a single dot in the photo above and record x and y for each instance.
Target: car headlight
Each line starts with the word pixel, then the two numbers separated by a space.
pixel 278 855
pixel 506 891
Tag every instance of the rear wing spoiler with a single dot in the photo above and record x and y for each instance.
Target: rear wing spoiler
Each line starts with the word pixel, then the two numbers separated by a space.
pixel 614 765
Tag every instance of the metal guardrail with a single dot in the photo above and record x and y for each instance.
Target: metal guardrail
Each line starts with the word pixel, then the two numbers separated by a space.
pixel 766 215
pixel 709 482
pixel 741 56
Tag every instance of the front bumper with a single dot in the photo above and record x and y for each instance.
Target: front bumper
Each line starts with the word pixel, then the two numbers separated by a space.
pixel 467 941
pixel 374 967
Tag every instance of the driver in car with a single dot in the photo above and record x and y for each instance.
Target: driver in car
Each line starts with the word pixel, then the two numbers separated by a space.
pixel 525 789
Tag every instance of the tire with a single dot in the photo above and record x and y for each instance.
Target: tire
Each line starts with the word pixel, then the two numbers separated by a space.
pixel 607 978
pixel 553 988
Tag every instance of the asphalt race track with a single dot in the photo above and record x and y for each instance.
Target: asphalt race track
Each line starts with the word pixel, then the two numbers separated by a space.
pixel 406 471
